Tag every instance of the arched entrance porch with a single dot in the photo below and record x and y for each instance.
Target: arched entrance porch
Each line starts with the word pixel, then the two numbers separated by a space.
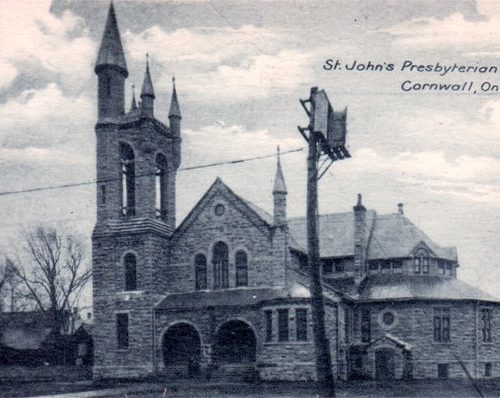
pixel 182 348
pixel 235 343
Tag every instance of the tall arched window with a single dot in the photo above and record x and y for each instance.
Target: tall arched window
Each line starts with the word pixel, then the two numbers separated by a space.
pixel 221 265
pixel 241 268
pixel 127 159
pixel 130 263
pixel 161 186
pixel 200 269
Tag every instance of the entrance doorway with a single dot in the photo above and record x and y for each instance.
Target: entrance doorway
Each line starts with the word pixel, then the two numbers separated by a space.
pixel 182 347
pixel 385 364
pixel 235 342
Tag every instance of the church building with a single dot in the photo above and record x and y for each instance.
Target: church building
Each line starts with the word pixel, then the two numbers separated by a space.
pixel 224 293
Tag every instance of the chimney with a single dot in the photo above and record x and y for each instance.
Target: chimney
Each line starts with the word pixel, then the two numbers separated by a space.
pixel 359 238
pixel 400 209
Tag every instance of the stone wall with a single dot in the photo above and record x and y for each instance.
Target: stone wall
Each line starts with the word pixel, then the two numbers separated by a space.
pixel 413 325
pixel 236 229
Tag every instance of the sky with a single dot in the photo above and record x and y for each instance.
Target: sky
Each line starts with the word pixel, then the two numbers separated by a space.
pixel 241 68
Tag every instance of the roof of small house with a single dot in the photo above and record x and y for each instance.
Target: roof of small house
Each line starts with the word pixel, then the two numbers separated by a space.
pixel 405 287
pixel 24 330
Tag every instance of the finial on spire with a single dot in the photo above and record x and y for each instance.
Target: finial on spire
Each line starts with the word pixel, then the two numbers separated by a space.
pixel 111 50
pixel 147 86
pixel 133 107
pixel 359 204
pixel 175 110
pixel 279 180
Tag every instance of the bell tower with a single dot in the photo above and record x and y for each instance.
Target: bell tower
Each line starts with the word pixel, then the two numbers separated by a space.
pixel 137 161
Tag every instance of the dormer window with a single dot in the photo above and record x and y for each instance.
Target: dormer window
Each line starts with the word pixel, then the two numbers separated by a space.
pixel 422 261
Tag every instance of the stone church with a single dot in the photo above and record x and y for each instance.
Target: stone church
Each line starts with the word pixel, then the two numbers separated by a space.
pixel 225 292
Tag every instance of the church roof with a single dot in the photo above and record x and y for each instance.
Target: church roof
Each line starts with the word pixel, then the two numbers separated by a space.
pixel 394 235
pixel 336 233
pixel 111 50
pixel 404 287
pixel 388 236
pixel 224 298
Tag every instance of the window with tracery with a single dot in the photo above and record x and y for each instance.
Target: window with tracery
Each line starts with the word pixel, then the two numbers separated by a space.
pixel 221 265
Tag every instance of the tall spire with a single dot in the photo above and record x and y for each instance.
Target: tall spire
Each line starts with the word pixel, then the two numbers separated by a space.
pixel 147 85
pixel 279 180
pixel 111 50
pixel 175 110
pixel 133 106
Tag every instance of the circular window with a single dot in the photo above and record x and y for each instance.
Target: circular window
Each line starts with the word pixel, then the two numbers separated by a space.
pixel 219 209
pixel 388 318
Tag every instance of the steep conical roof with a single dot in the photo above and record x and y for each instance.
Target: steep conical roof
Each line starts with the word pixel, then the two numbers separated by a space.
pixel 111 50
pixel 133 106
pixel 147 85
pixel 279 180
pixel 175 109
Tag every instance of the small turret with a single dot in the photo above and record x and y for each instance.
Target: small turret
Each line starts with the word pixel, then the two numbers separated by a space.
pixel 174 117
pixel 111 70
pixel 147 93
pixel 133 105
pixel 279 194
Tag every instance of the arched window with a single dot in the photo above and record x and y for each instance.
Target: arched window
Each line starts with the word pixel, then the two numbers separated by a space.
pixel 130 263
pixel 241 268
pixel 161 186
pixel 128 179
pixel 221 266
pixel 200 269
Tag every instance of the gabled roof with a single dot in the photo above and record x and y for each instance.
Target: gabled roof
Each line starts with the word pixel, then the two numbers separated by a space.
pixel 336 233
pixel 24 330
pixel 259 217
pixel 394 235
pixel 422 287
pixel 111 50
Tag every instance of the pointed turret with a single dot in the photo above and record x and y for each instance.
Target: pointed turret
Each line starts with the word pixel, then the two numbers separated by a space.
pixel 111 70
pixel 175 110
pixel 279 194
pixel 111 50
pixel 279 180
pixel 133 106
pixel 147 92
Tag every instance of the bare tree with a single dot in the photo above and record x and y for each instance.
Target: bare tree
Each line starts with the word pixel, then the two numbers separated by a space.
pixel 53 272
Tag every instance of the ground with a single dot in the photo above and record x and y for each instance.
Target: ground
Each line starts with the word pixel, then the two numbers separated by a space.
pixel 434 388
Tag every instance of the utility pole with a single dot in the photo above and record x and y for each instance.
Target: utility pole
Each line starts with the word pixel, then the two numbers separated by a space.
pixel 324 131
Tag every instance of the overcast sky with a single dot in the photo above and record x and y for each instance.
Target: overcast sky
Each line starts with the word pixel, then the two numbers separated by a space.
pixel 241 67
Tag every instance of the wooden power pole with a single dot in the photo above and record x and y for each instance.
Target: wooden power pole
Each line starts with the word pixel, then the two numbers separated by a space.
pixel 322 141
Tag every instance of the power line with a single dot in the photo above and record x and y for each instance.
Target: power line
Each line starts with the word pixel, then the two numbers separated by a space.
pixel 77 184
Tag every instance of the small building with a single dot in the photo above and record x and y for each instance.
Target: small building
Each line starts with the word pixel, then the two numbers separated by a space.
pixel 225 292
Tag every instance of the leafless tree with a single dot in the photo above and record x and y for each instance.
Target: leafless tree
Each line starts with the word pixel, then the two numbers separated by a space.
pixel 53 270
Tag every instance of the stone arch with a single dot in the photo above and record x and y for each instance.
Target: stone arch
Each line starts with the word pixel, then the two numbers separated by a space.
pixel 181 346
pixel 235 342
